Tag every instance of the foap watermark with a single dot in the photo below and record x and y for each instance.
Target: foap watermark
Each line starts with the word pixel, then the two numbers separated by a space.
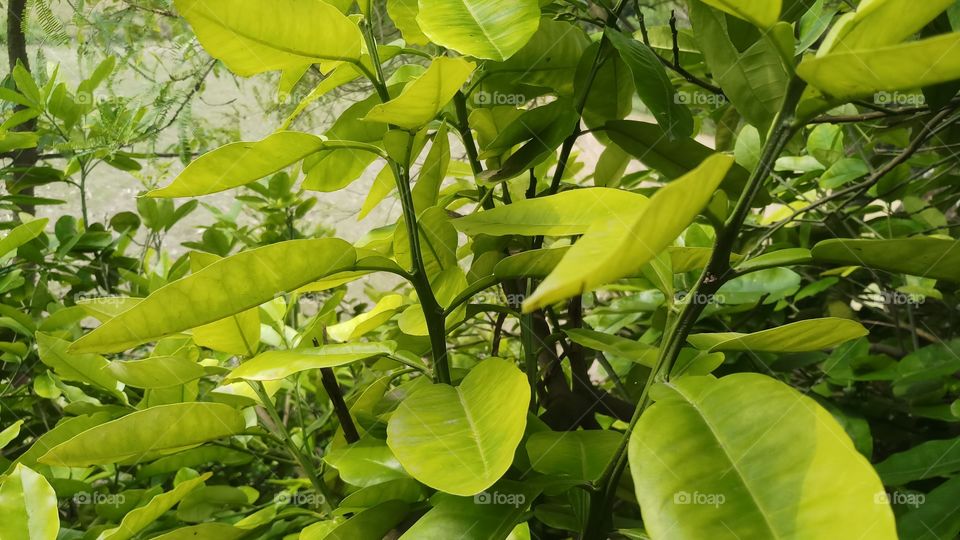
pixel 515 500
pixel 900 99
pixel 900 498
pixel 700 99
pixel 699 299
pixel 300 498
pixel 84 498
pixel 482 97
pixel 699 499
pixel 899 298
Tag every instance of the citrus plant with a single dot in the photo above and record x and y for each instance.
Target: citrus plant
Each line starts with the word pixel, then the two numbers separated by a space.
pixel 666 273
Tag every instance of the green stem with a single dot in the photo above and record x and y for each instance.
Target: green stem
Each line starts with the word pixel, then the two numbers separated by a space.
pixel 433 312
pixel 303 460
pixel 716 273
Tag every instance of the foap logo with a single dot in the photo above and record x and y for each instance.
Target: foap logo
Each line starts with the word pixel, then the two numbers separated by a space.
pixel 482 97
pixel 699 499
pixel 84 498
pixel 700 99
pixel 515 500
pixel 300 498
pixel 900 498
pixel 899 98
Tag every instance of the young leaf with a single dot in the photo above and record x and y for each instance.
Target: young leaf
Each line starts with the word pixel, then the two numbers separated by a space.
pixel 28 506
pixel 801 336
pixel 654 86
pixel 709 473
pixel 224 288
pixel 567 213
pixel 273 365
pixel 423 97
pixel 851 74
pixel 10 433
pixel 366 322
pixel 251 37
pixel 461 440
pixel 619 246
pixel 935 258
pixel 877 23
pixel 763 13
pixel 480 28
pixel 137 434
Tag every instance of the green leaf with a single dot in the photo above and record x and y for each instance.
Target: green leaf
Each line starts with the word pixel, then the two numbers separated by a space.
pixel 930 459
pixel 617 247
pixel 240 163
pixel 28 506
pixel 755 80
pixel 424 97
pixel 401 489
pixel 564 214
pixel 622 347
pixel 371 523
pixel 251 37
pixel 654 86
pixel 480 28
pixel 156 372
pixel 848 75
pixel 21 234
pixel 404 13
pixel 175 426
pixel 461 440
pixel 580 455
pixel 273 365
pixel 763 13
pixel 801 336
pixel 224 288
pixel 366 463
pixel 63 431
pixel 204 531
pixel 935 258
pixel 85 368
pixel 703 456
pixel 432 173
pixel 783 257
pixel 367 322
pixel 934 517
pixel 141 517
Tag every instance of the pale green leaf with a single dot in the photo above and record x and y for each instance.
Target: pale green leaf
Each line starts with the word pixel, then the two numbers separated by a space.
pixel 423 97
pixel 801 336
pixel 480 28
pixel 273 365
pixel 142 516
pixel 21 234
pixel 28 507
pixel 366 322
pixel 763 13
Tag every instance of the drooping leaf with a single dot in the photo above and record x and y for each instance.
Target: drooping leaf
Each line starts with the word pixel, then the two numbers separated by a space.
pixel 85 368
pixel 423 97
pixel 226 287
pixel 703 456
pixel 28 506
pixel 174 426
pixel 931 459
pixel 619 246
pixel 480 28
pixel 251 37
pixel 156 372
pixel 654 86
pixel 461 440
pixel 611 344
pixel 801 336
pixel 273 365
pixel 935 258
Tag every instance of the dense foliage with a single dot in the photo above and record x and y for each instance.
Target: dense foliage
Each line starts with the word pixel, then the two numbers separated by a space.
pixel 671 270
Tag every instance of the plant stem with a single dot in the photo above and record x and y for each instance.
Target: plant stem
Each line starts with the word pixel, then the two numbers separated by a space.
pixel 329 380
pixel 716 273
pixel 433 312
pixel 303 460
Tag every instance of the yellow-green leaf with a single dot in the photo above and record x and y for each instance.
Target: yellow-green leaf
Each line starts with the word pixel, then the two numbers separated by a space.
pixel 251 36
pixel 801 336
pixel 240 163
pixel 936 258
pixel 487 29
pixel 746 456
pixel 28 507
pixel 620 245
pixel 156 372
pixel 142 516
pixel 763 13
pixel 170 427
pixel 876 23
pixel 21 234
pixel 273 365
pixel 423 97
pixel 908 66
pixel 224 288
